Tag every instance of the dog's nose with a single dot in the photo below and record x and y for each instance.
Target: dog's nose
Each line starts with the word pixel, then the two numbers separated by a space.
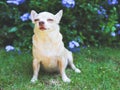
pixel 41 23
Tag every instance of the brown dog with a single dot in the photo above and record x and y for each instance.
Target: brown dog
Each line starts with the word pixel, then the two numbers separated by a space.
pixel 48 47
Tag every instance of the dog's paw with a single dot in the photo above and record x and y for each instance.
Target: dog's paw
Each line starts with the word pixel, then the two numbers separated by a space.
pixel 77 70
pixel 33 80
pixel 66 79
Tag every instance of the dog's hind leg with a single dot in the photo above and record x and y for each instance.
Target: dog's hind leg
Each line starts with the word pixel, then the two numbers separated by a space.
pixel 36 67
pixel 62 66
pixel 70 62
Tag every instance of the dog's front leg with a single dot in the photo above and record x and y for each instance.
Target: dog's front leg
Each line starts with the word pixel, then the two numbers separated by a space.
pixel 62 66
pixel 36 67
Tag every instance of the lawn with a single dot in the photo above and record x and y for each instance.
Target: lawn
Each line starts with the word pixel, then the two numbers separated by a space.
pixel 100 71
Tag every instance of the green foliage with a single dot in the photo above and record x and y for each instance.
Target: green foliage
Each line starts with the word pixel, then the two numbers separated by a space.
pixel 81 23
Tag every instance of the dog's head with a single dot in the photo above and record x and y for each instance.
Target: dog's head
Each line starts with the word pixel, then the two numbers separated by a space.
pixel 45 20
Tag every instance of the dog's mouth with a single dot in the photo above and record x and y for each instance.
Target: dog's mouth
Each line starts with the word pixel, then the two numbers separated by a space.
pixel 42 28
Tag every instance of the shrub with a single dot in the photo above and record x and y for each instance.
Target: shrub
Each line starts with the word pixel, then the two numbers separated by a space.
pixel 87 22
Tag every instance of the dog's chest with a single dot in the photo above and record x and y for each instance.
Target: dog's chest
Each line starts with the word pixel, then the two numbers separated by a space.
pixel 47 46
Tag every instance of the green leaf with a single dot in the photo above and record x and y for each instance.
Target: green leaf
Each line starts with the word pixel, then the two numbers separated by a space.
pixel 113 29
pixel 45 0
pixel 107 29
pixel 95 9
pixel 13 29
pixel 114 8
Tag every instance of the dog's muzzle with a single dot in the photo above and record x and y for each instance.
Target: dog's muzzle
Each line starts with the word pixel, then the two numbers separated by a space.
pixel 42 25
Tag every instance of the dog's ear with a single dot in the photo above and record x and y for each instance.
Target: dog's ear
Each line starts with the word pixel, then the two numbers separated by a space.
pixel 58 16
pixel 33 15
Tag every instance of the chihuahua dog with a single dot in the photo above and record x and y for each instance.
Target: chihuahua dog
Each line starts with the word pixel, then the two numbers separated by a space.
pixel 48 47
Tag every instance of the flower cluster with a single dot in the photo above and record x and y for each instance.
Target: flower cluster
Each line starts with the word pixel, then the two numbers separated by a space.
pixel 15 2
pixel 117 25
pixel 102 11
pixel 112 2
pixel 113 34
pixel 9 48
pixel 118 28
pixel 25 17
pixel 68 3
pixel 74 46
pixel 118 32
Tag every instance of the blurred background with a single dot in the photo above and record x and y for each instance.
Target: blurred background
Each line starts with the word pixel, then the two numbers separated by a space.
pixel 87 22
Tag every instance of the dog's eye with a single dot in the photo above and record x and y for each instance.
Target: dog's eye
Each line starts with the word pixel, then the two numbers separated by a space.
pixel 50 20
pixel 36 20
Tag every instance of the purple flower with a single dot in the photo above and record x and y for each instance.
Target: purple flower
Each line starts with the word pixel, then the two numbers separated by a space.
pixel 73 44
pixel 117 25
pixel 118 32
pixel 101 11
pixel 25 17
pixel 103 28
pixel 106 16
pixel 112 2
pixel 16 2
pixel 68 3
pixel 9 48
pixel 113 34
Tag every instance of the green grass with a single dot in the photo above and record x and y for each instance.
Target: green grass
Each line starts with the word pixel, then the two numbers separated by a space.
pixel 100 71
